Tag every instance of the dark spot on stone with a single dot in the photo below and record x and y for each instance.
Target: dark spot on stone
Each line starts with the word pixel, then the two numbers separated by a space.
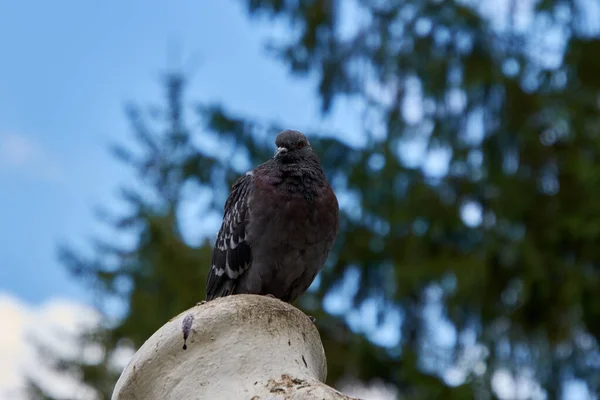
pixel 186 327
pixel 289 343
pixel 270 319
pixel 255 382
pixel 304 360
pixel 304 336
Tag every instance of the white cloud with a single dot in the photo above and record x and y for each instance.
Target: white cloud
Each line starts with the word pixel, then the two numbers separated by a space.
pixel 55 324
pixel 12 346
pixel 24 154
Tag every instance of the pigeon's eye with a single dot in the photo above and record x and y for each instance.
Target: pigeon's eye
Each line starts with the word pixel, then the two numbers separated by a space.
pixel 300 145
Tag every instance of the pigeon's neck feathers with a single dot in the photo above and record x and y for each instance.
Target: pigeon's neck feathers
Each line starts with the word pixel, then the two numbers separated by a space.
pixel 302 178
pixel 308 166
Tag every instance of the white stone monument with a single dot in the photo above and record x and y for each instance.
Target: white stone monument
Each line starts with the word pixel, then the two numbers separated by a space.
pixel 236 347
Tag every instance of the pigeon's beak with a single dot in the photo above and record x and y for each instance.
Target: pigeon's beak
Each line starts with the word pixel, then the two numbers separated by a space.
pixel 281 151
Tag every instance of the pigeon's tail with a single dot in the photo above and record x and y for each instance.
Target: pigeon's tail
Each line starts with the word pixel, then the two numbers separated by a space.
pixel 225 288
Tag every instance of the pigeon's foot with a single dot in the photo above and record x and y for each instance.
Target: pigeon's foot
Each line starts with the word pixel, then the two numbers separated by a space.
pixel 200 303
pixel 313 319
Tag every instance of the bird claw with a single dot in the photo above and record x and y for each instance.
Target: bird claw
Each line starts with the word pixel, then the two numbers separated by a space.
pixel 313 319
pixel 201 303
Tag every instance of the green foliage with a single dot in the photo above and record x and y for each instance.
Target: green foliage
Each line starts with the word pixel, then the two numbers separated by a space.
pixel 519 119
pixel 523 136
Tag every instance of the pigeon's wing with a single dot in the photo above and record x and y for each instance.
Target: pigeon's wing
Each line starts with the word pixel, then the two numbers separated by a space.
pixel 232 254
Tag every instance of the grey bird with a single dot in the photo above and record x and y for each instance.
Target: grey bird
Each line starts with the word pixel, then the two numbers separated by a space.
pixel 281 220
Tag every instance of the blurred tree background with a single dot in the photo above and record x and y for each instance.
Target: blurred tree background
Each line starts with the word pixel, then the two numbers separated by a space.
pixel 470 220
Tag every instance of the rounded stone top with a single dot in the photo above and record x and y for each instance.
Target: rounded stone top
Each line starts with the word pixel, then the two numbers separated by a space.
pixel 236 347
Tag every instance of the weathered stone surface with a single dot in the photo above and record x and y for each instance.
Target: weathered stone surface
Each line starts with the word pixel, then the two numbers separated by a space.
pixel 238 347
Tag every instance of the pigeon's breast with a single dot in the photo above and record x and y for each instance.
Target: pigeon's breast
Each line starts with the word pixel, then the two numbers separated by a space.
pixel 290 232
pixel 292 216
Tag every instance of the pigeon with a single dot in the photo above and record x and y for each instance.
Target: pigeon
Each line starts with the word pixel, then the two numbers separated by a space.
pixel 281 220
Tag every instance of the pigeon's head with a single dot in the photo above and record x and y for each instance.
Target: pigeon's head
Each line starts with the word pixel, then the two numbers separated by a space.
pixel 292 146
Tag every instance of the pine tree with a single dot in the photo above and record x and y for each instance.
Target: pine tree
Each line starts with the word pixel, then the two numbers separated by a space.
pixel 501 242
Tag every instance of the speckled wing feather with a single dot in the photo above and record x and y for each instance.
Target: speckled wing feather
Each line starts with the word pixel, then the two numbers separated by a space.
pixel 232 254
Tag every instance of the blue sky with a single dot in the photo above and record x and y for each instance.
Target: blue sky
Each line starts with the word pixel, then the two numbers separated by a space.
pixel 68 68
